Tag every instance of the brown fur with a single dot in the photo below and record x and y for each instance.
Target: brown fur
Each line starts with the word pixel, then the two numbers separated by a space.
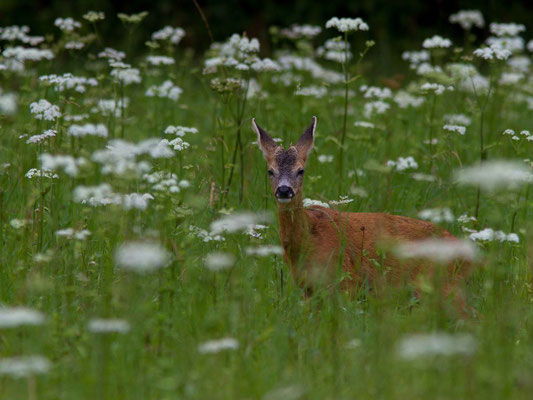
pixel 319 241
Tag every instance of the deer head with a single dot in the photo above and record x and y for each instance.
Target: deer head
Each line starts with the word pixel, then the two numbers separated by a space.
pixel 286 166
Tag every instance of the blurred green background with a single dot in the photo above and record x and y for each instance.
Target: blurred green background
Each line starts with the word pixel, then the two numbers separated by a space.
pixel 394 25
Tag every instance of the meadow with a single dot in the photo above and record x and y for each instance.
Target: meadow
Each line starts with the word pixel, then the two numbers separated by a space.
pixel 140 256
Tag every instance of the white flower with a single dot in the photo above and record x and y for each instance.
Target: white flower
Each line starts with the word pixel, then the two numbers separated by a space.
pixel 300 31
pixel 325 158
pixel 439 250
pixel 311 203
pixel 12 33
pixel 44 110
pixel 23 367
pixel 126 75
pixel 468 18
pixel 401 164
pixel 71 233
pixel 236 222
pixel 512 44
pixel 503 29
pixel 180 130
pixel 420 345
pixel 65 162
pixel 111 107
pixel 112 54
pixel 166 90
pixel 376 92
pixel 461 130
pixel 511 78
pixel 160 60
pixel 13 317
pixel 375 107
pixel 347 24
pixel 19 223
pixel 141 257
pixel 290 62
pixel 436 42
pixel 436 88
pixel 45 173
pixel 364 124
pixel 416 57
pixel 457 119
pixel 404 100
pixel 74 45
pixel 8 103
pixel 216 346
pixel 173 35
pixel 67 24
pixel 16 57
pixel 218 261
pixel 101 325
pixel 490 235
pixel 204 235
pixel 136 201
pixel 494 51
pixel 99 130
pixel 437 215
pixel 75 117
pixel 37 139
pixel 311 91
pixel 264 251
pixel 69 81
pixel 265 65
pixel 493 175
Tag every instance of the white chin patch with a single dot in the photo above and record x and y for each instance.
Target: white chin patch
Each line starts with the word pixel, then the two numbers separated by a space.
pixel 284 200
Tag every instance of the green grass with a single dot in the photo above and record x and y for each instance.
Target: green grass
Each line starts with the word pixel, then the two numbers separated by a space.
pixel 327 347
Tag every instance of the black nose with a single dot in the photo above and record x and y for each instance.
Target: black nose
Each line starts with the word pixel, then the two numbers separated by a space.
pixel 284 192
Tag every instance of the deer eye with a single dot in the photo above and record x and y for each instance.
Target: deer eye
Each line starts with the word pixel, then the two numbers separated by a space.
pixel 270 173
pixel 300 172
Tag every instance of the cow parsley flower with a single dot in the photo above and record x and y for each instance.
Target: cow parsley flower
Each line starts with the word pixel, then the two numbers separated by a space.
pixel 420 345
pixel 494 175
pixel 126 76
pixel 13 317
pixel 166 90
pixel 44 110
pixel 265 65
pixel 415 57
pixel 436 42
pixel 67 163
pixel 216 346
pixel 461 130
pixel 106 325
pixel 141 257
pixel 371 92
pixel 458 119
pixel 401 164
pixel 69 81
pixel 218 261
pixel 375 107
pixel 489 235
pixel 160 60
pixel 310 203
pixel 112 54
pixel 38 139
pixel 74 45
pixel 25 366
pixel 237 222
pixel 180 130
pixel 111 107
pixel 12 33
pixel 325 158
pixel 347 24
pixel 173 35
pixel 467 19
pixel 264 250
pixel 364 124
pixel 93 16
pixel 335 50
pixel 492 52
pixel 442 251
pixel 506 29
pixel 300 31
pixel 437 215
pixel 436 88
pixel 45 173
pixel 67 24
pixel 71 233
pixel 405 100
pixel 99 130
pixel 204 235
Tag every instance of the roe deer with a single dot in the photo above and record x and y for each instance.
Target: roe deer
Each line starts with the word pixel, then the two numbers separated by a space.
pixel 316 240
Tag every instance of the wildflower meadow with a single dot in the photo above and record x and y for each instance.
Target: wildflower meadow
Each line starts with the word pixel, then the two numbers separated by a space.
pixel 140 253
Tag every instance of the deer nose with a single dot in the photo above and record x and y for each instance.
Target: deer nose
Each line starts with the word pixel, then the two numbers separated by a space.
pixel 284 192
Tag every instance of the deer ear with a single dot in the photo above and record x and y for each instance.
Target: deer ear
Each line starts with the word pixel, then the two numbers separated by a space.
pixel 305 143
pixel 264 141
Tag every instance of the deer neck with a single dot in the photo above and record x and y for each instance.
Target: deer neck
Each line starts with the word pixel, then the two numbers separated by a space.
pixel 294 231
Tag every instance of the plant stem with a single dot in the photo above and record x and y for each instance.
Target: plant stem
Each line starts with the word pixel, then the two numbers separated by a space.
pixel 345 117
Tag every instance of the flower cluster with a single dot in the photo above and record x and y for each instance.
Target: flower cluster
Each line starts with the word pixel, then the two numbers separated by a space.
pixel 99 130
pixel 69 81
pixel 173 35
pixel 403 163
pixel 347 24
pixel 166 90
pixel 468 18
pixel 44 110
